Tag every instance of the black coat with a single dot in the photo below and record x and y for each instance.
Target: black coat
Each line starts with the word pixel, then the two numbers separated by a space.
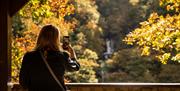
pixel 35 76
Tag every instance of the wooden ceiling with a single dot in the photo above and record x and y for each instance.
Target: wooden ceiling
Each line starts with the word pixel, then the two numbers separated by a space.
pixel 16 5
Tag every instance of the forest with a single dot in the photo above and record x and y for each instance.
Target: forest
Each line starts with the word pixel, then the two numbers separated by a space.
pixel 115 40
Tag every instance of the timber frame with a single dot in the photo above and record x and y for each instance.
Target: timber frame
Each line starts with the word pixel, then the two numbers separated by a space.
pixel 7 9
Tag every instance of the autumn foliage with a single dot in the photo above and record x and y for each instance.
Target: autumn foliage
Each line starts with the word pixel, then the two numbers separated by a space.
pixel 150 25
pixel 37 13
pixel 160 34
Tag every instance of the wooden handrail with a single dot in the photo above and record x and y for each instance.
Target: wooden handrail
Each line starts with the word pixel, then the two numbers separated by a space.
pixel 126 84
pixel 117 87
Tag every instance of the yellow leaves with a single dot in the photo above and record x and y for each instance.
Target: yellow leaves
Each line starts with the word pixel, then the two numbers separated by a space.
pixel 88 63
pixel 110 61
pixel 153 17
pixel 177 44
pixel 90 54
pixel 37 9
pixel 144 23
pixel 146 51
pixel 134 2
pixel 70 8
pixel 176 58
pixel 17 54
pixel 168 8
pixel 164 58
pixel 160 33
pixel 169 5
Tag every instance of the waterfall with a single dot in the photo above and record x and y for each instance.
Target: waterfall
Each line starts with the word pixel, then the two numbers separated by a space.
pixel 109 48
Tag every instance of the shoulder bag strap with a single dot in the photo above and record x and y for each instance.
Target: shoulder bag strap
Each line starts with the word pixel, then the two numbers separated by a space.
pixel 51 71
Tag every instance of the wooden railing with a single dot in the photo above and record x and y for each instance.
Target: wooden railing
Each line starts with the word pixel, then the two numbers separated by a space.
pixel 117 87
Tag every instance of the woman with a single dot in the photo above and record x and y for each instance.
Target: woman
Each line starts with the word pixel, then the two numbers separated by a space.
pixel 34 74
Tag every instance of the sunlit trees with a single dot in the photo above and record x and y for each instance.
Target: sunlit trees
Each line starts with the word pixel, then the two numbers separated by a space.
pixel 87 41
pixel 38 9
pixel 90 22
pixel 88 61
pixel 127 65
pixel 160 34
pixel 87 18
pixel 119 17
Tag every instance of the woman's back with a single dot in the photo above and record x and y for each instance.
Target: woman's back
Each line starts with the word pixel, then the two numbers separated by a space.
pixel 39 78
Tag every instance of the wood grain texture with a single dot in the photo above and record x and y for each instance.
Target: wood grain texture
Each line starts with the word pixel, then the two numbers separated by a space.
pixel 106 87
pixel 4 44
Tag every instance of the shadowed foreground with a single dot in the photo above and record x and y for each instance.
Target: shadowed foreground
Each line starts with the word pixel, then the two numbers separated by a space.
pixel 117 87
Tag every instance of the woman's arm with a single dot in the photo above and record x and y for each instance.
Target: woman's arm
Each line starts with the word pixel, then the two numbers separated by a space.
pixel 71 62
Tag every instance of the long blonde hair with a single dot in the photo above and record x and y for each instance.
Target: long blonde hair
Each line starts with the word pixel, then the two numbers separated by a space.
pixel 48 39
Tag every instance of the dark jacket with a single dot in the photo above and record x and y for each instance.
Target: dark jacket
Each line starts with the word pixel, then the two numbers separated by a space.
pixel 35 76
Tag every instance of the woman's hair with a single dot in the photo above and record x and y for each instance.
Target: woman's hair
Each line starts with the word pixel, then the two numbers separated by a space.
pixel 48 39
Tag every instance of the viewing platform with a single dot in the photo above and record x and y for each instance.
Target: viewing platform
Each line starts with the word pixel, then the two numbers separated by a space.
pixel 115 87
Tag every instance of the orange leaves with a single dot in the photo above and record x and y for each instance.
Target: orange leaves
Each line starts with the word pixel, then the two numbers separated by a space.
pixel 62 7
pixel 37 9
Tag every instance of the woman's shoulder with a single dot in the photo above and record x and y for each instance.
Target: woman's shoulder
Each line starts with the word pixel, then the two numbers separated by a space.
pixel 61 54
pixel 37 53
pixel 31 54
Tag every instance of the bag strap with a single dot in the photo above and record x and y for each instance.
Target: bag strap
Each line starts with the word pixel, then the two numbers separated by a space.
pixel 51 71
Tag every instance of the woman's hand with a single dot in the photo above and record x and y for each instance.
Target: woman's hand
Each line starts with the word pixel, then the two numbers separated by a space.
pixel 71 52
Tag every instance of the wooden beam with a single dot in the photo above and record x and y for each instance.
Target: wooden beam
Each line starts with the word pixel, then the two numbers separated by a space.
pixel 5 44
pixel 16 5
pixel 117 87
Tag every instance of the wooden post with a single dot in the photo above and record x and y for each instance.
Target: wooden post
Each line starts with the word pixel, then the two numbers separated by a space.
pixel 5 50
pixel 7 9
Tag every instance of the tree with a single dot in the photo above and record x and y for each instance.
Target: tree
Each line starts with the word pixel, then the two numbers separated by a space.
pixel 87 41
pixel 119 17
pixel 160 34
pixel 88 64
pixel 127 65
pixel 87 23
pixel 38 9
